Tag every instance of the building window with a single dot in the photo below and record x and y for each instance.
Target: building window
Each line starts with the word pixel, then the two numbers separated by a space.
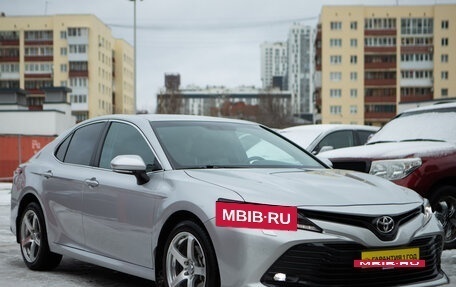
pixel 353 76
pixel 335 42
pixel 444 58
pixel 63 51
pixel 444 75
pixel 63 67
pixel 335 59
pixel 444 92
pixel 353 93
pixel 380 23
pixel 444 41
pixel 336 25
pixel 335 76
pixel 63 34
pixel 335 93
pixel 353 109
pixel 445 24
pixel 353 25
pixel 353 59
pixel 335 110
pixel 63 83
pixel 415 26
pixel 353 43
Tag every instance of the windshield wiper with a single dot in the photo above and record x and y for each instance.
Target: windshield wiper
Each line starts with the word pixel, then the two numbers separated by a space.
pixel 376 142
pixel 422 140
pixel 210 166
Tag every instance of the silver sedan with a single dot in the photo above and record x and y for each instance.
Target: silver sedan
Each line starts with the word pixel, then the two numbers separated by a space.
pixel 198 201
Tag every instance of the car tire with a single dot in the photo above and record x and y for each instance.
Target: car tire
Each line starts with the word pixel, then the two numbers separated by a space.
pixel 443 202
pixel 189 258
pixel 33 240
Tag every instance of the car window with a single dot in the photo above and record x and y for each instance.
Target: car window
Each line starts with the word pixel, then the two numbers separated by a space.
pixel 82 144
pixel 229 145
pixel 363 136
pixel 337 139
pixel 62 149
pixel 124 139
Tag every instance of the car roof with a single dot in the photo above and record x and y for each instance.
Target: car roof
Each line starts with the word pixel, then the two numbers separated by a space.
pixel 431 108
pixel 329 127
pixel 166 117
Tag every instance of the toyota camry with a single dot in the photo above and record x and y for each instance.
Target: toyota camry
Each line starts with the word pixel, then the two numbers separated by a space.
pixel 200 201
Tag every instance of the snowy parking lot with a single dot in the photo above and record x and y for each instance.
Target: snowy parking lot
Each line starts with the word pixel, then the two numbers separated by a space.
pixel 70 272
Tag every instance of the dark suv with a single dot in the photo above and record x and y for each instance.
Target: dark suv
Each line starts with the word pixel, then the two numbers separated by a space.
pixel 416 149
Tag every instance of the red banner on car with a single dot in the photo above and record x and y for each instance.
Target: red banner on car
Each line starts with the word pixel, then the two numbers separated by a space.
pixel 259 216
pixel 389 264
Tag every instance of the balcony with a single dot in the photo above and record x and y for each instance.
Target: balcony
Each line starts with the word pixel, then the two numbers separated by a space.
pixel 379 116
pixel 9 42
pixel 79 73
pixel 47 58
pixel 380 66
pixel 38 76
pixel 379 82
pixel 380 32
pixel 380 50
pixel 416 49
pixel 9 59
pixel 44 42
pixel 416 98
pixel 380 99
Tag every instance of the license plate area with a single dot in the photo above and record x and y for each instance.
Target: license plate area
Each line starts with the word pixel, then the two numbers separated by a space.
pixel 412 253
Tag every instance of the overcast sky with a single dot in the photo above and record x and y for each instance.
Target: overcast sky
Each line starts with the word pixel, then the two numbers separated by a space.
pixel 208 42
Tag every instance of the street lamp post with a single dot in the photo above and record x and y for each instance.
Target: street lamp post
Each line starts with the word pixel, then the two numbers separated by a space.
pixel 135 52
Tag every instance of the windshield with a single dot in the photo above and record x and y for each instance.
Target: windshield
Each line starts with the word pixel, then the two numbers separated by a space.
pixel 432 126
pixel 197 144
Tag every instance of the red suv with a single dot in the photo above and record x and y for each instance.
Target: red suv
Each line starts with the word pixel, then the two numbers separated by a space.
pixel 416 149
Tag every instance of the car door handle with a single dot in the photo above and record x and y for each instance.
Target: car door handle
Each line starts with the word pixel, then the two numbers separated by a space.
pixel 93 182
pixel 48 174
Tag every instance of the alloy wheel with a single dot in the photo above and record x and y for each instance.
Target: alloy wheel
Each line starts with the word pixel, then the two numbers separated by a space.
pixel 185 262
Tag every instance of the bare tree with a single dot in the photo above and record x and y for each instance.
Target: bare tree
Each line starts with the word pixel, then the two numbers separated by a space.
pixel 274 110
pixel 169 102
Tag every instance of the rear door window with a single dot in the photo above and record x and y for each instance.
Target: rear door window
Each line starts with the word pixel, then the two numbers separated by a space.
pixel 83 144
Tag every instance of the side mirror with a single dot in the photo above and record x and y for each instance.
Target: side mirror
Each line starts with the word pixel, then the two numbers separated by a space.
pixel 325 160
pixel 326 148
pixel 131 164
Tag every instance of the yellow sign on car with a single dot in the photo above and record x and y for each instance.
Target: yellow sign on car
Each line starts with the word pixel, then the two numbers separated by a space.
pixel 393 254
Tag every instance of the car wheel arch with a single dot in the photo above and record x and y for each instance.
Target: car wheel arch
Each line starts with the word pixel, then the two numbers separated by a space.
pixel 168 226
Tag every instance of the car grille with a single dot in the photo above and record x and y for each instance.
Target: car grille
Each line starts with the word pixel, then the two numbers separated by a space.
pixel 352 165
pixel 331 264
pixel 368 222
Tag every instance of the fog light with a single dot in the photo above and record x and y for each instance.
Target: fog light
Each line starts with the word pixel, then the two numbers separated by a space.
pixel 280 277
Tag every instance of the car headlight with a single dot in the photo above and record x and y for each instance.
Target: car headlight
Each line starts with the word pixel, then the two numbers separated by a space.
pixel 305 224
pixel 427 211
pixel 395 168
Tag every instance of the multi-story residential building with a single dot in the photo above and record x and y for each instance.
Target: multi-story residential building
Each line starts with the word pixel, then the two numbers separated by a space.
pixel 301 68
pixel 370 59
pixel 274 65
pixel 75 51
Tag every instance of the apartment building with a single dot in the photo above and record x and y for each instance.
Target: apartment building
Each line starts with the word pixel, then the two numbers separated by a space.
pixel 74 51
pixel 274 65
pixel 370 59
pixel 300 68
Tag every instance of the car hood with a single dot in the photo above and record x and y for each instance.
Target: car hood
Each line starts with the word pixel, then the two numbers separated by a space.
pixel 393 150
pixel 297 187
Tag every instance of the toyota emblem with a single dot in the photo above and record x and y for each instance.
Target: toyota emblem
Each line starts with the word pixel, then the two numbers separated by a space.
pixel 385 224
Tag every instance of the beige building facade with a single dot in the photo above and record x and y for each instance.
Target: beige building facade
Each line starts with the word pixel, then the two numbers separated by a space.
pixel 74 51
pixel 370 59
